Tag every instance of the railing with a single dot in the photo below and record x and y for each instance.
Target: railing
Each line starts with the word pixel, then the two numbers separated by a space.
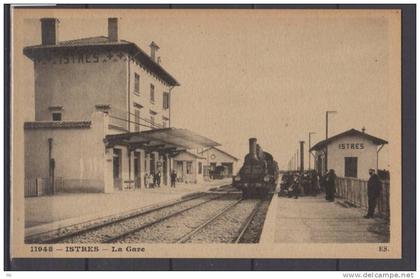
pixel 354 191
pixel 35 187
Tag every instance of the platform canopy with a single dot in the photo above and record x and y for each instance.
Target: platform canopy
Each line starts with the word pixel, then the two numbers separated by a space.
pixel 160 140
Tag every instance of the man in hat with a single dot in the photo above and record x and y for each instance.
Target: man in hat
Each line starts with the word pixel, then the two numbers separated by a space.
pixel 330 185
pixel 173 178
pixel 374 190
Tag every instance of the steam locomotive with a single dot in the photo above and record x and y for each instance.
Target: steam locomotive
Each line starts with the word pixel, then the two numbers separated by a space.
pixel 259 173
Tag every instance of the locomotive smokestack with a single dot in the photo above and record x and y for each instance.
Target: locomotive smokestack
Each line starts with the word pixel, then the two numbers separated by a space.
pixel 253 148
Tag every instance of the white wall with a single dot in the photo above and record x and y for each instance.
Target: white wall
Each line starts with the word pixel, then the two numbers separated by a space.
pixel 78 86
pixel 79 155
pixel 366 155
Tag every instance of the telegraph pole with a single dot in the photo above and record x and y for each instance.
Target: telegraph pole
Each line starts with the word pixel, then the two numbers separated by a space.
pixel 326 137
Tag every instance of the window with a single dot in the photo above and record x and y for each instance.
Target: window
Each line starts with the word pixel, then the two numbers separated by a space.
pixel 189 167
pixel 350 166
pixel 137 120
pixel 136 83
pixel 56 116
pixel 165 100
pixel 212 166
pixel 152 93
pixel 200 167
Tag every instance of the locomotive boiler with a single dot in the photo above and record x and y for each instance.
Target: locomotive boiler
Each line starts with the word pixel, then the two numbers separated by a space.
pixel 259 173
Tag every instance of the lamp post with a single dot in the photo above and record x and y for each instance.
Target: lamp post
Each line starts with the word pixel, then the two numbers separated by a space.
pixel 309 150
pixel 326 137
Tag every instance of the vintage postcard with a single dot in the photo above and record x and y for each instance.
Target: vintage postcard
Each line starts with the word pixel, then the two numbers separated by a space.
pixel 206 133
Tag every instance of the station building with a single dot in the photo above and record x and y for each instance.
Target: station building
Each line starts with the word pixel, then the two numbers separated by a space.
pixel 189 167
pixel 102 114
pixel 351 154
pixel 216 157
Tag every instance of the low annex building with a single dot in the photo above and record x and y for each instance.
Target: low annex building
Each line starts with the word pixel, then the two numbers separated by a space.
pixel 189 167
pixel 217 157
pixel 102 115
pixel 351 154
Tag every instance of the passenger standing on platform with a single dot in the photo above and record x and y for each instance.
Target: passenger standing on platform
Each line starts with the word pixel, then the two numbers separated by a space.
pixel 322 183
pixel 158 179
pixel 173 178
pixel 374 190
pixel 146 180
pixel 295 186
pixel 152 179
pixel 314 183
pixel 330 185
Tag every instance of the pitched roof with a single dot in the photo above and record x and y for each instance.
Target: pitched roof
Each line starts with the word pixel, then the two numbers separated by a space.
pixel 227 154
pixel 189 153
pixel 351 132
pixel 104 43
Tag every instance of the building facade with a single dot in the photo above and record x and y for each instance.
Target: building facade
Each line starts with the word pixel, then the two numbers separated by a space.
pixel 217 157
pixel 102 113
pixel 189 167
pixel 351 154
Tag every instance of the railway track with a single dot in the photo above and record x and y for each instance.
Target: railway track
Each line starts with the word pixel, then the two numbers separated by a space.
pixel 222 228
pixel 219 216
pixel 78 231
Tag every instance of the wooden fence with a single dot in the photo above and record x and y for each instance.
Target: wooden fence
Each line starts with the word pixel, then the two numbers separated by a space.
pixel 354 191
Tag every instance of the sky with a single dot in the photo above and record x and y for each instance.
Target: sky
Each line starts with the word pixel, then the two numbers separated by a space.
pixel 258 73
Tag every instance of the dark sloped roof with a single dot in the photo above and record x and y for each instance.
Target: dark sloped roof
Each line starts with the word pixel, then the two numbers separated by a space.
pixel 104 43
pixel 175 138
pixel 191 154
pixel 227 154
pixel 351 132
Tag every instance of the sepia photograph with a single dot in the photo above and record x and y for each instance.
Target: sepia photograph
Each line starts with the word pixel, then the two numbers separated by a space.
pixel 206 133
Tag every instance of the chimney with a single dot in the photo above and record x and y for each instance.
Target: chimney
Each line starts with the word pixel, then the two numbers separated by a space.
pixel 113 29
pixel 49 31
pixel 253 148
pixel 153 49
pixel 363 129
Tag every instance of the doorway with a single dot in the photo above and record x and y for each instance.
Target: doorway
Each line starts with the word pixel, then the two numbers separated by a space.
pixel 137 170
pixel 116 166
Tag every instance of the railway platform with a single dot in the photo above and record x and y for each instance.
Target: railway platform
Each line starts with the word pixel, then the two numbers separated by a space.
pixel 63 209
pixel 315 220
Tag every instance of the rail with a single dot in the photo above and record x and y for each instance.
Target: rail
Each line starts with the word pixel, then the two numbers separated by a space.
pixel 354 191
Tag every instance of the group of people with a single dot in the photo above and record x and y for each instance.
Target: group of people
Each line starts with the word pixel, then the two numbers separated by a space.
pixel 295 184
pixel 154 180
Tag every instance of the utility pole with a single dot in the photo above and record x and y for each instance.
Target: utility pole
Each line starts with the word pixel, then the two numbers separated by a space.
pixel 326 137
pixel 309 150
